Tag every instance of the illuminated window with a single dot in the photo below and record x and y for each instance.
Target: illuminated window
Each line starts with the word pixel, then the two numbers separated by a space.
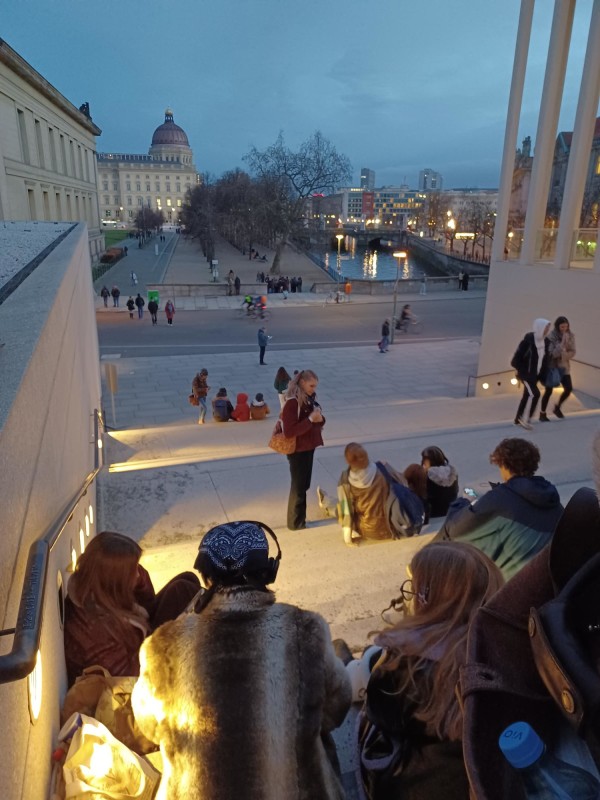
pixel 598 165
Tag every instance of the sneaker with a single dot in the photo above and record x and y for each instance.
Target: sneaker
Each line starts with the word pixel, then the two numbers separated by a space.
pixel 558 412
pixel 321 497
pixel 544 417
pixel 524 424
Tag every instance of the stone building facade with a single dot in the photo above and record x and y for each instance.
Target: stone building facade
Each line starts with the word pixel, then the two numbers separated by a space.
pixel 129 182
pixel 47 152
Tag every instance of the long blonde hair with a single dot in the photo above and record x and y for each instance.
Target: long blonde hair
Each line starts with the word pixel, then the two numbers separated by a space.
pixel 295 390
pixel 427 647
pixel 105 577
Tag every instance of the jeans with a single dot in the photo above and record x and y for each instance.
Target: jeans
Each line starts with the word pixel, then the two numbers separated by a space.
pixel 202 408
pixel 384 343
pixel 301 473
pixel 140 312
pixel 262 354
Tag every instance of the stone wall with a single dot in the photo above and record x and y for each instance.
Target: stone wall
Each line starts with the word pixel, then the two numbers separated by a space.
pixel 50 388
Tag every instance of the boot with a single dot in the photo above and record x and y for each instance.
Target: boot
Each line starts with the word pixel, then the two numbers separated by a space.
pixel 544 417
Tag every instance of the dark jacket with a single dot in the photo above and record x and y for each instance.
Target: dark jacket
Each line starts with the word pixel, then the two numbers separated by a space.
pixel 263 339
pixel 442 489
pixel 222 409
pixel 433 768
pixel 139 301
pixel 296 423
pixel 525 360
pixel 153 307
pixel 510 524
pixel 199 386
pixel 240 697
pixel 91 637
pixel 385 329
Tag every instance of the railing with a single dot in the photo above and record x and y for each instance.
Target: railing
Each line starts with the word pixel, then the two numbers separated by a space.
pixel 21 660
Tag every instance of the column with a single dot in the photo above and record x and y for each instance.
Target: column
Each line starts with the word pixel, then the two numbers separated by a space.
pixel 512 128
pixel 583 133
pixel 558 51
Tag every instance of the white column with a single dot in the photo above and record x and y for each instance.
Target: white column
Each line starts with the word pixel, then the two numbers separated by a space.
pixel 512 128
pixel 583 133
pixel 554 79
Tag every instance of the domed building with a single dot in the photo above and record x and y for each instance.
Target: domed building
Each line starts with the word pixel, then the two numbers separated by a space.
pixel 128 182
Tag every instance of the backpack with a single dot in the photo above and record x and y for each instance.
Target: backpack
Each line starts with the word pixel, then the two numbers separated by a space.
pixel 404 509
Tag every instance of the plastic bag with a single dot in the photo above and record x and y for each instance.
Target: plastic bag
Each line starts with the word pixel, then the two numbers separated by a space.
pixel 100 767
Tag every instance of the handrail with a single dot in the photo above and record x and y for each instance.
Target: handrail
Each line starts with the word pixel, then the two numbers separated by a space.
pixel 21 660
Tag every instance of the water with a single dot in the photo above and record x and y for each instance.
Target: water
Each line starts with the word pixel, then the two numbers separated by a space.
pixel 359 263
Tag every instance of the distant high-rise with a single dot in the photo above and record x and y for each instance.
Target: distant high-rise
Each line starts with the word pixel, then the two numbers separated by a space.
pixel 367 179
pixel 429 180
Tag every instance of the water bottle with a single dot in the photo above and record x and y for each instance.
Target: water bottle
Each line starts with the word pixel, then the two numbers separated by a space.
pixel 544 776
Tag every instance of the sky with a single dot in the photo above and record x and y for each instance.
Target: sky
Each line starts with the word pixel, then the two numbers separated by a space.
pixel 396 86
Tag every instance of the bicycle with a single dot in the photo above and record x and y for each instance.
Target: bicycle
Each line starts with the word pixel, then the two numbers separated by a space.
pixel 410 325
pixel 253 313
pixel 335 297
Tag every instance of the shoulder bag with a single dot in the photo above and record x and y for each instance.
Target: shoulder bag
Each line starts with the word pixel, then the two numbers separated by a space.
pixel 553 378
pixel 286 445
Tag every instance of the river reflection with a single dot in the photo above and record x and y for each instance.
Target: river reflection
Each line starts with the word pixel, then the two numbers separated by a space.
pixel 373 264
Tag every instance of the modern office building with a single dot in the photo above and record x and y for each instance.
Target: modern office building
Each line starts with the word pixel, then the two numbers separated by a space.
pixel 367 179
pixel 128 182
pixel 430 180
pixel 47 152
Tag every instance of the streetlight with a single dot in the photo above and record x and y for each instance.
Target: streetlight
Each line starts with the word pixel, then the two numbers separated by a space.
pixel 452 228
pixel 339 237
pixel 399 255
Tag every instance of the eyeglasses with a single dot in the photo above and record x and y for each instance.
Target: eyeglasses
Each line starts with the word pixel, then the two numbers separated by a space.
pixel 408 593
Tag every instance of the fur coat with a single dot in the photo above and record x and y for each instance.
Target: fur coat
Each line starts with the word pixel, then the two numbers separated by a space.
pixel 241 697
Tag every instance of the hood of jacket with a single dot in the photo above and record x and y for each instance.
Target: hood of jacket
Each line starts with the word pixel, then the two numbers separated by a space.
pixel 537 491
pixel 443 476
pixel 539 325
pixel 241 398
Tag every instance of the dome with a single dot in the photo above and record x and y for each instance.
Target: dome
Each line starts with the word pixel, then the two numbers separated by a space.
pixel 169 134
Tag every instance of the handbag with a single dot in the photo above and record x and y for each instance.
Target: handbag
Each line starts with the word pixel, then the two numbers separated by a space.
pixel 193 400
pixel 381 758
pixel 286 445
pixel 553 378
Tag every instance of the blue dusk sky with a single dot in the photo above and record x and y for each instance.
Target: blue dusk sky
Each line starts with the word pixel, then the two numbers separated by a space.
pixel 397 86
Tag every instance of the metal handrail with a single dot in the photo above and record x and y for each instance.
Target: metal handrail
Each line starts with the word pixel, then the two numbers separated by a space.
pixel 21 660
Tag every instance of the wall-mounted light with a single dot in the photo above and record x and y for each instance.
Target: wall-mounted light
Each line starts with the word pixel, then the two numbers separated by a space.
pixel 485 386
pixel 514 381
pixel 34 689
pixel 81 540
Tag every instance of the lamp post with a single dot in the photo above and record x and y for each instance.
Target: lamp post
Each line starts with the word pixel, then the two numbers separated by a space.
pixel 451 228
pixel 339 237
pixel 399 255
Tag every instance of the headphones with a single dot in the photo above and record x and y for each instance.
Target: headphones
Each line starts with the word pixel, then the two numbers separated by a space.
pixel 272 563
pixel 269 572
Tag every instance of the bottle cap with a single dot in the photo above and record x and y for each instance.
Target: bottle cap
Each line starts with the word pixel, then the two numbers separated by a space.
pixel 520 745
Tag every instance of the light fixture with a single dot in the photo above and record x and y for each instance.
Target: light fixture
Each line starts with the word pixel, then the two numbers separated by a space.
pixel 485 386
pixel 34 689
pixel 81 540
pixel 514 381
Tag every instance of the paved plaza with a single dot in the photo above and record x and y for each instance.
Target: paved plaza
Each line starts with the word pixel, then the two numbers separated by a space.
pixel 171 479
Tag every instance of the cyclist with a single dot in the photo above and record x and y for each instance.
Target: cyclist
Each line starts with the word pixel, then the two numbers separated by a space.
pixel 260 304
pixel 249 303
pixel 406 317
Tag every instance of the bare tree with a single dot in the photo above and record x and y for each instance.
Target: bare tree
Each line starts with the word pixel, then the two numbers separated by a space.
pixel 292 177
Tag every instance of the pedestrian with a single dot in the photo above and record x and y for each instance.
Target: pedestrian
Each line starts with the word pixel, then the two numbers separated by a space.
pixel 237 283
pixel 169 311
pixel 258 408
pixel 531 363
pixel 242 694
pixel 221 405
pixel 423 289
pixel 263 341
pixel 130 305
pixel 125 250
pixel 140 303
pixel 134 279
pixel 562 350
pixel 465 282
pixel 282 381
pixel 385 337
pixel 200 389
pixel 153 309
pixel 299 283
pixel 230 282
pixel 116 293
pixel 301 418
pixel 461 276
pixel 105 294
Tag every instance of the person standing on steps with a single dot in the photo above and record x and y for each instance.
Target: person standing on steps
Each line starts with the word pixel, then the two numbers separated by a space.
pixel 105 294
pixel 531 363
pixel 116 293
pixel 200 391
pixel 237 283
pixel 130 306
pixel 263 341
pixel 385 337
pixel 562 350
pixel 301 418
